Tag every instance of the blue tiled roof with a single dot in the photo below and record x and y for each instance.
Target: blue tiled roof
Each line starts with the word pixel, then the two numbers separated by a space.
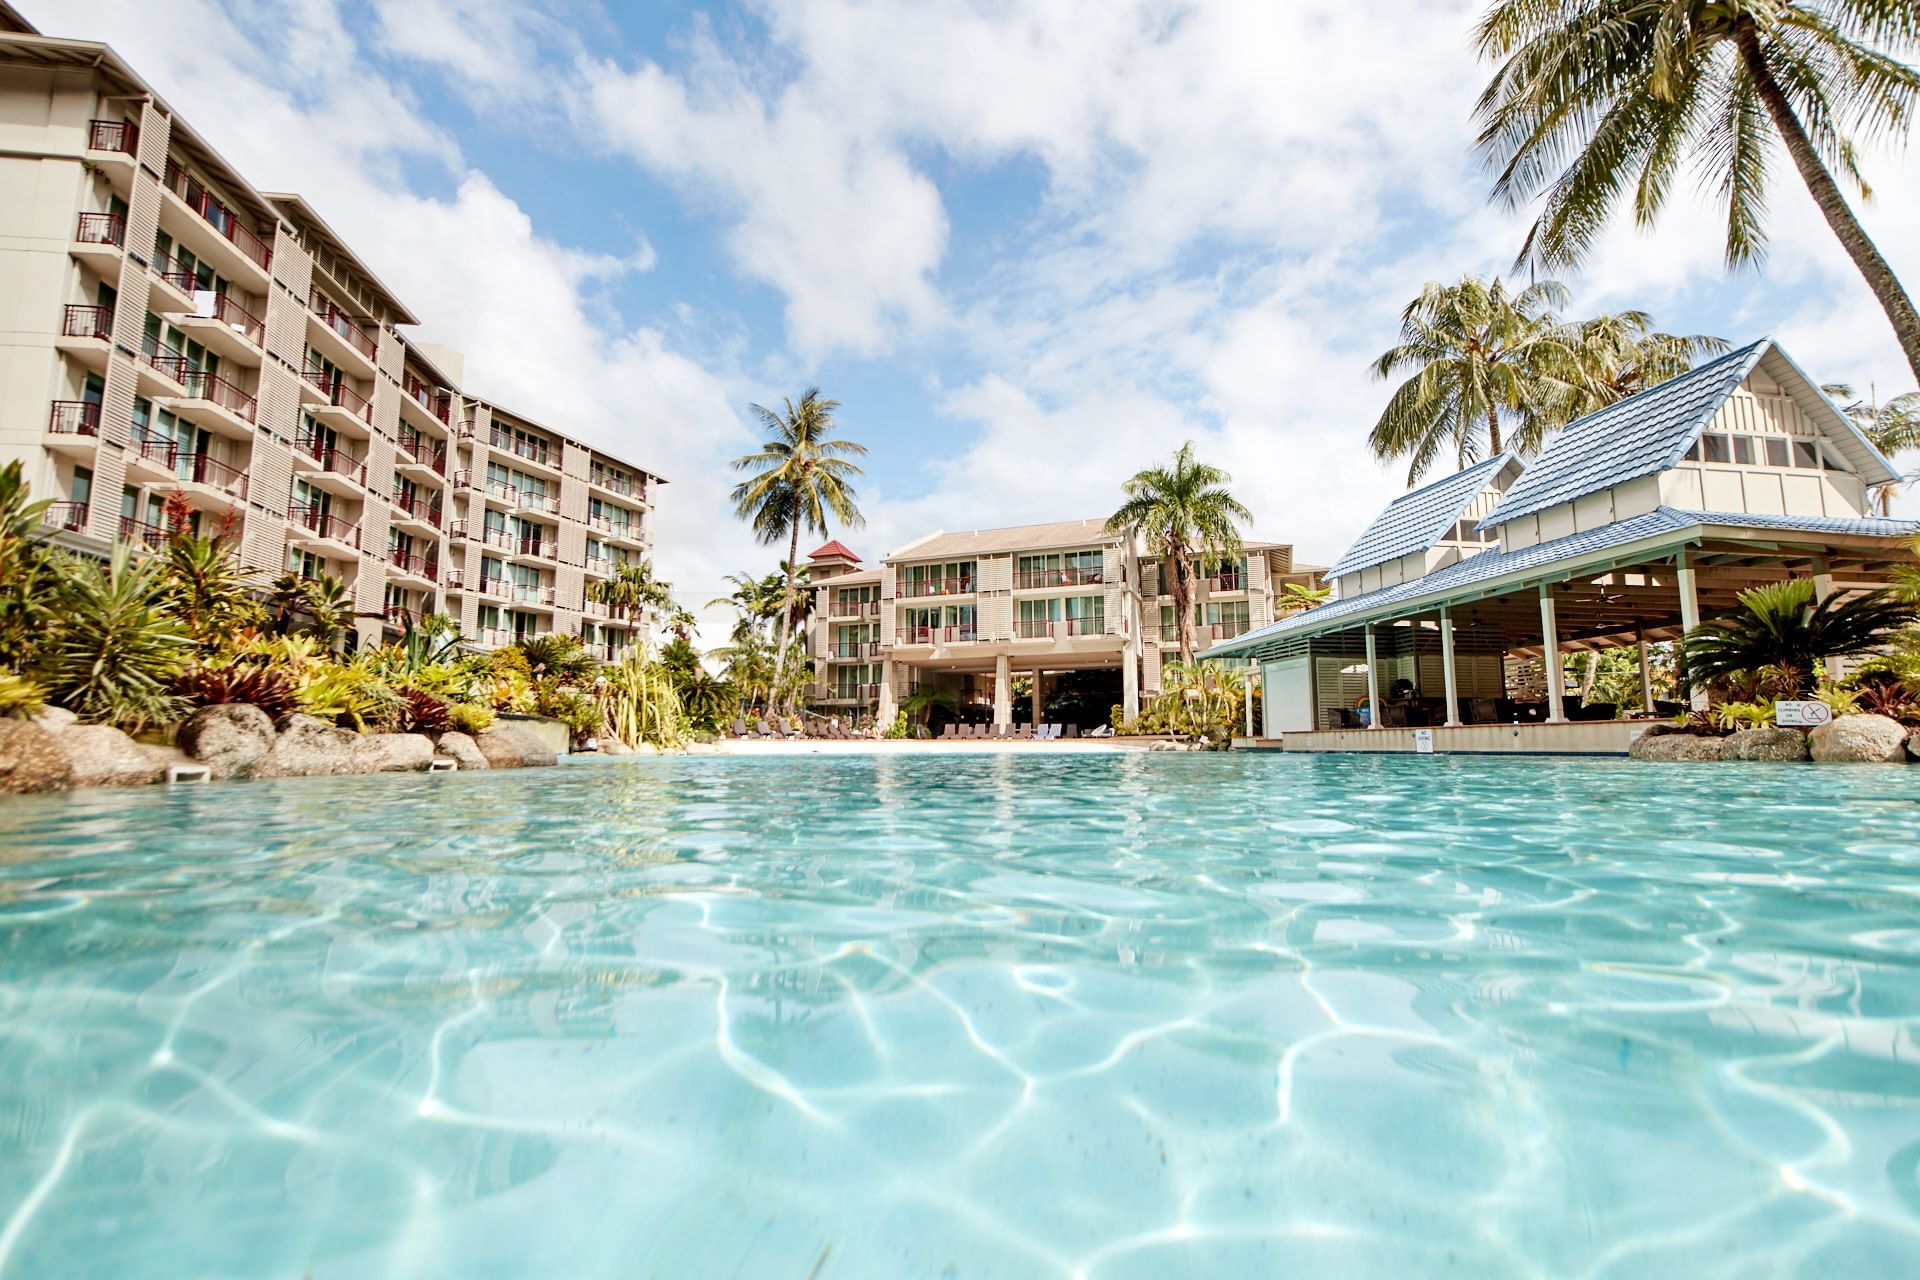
pixel 1415 521
pixel 1494 564
pixel 1631 438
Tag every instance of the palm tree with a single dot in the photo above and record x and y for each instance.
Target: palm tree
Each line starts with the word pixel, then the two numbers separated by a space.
pixel 1599 101
pixel 1619 354
pixel 798 479
pixel 757 600
pixel 634 592
pixel 1893 427
pixel 1183 513
pixel 1480 357
pixel 1295 597
pixel 1780 629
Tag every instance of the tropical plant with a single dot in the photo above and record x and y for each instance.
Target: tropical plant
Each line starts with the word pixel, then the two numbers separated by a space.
pixel 322 602
pixel 1619 354
pixel 1893 427
pixel 350 695
pixel 1782 628
pixel 758 601
pixel 421 712
pixel 638 702
pixel 563 658
pixel 20 698
pixel 1840 701
pixel 253 682
pixel 1730 716
pixel 113 653
pixel 1185 515
pixel 918 706
pixel 469 718
pixel 900 727
pixel 1202 699
pixel 1597 102
pixel 799 478
pixel 634 592
pixel 1490 370
pixel 1295 596
pixel 25 573
pixel 209 590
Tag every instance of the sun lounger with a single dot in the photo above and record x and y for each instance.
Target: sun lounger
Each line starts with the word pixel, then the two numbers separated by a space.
pixel 948 732
pixel 1073 731
pixel 739 727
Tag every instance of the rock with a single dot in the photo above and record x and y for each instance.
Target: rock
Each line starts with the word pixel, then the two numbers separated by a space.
pixel 460 749
pixel 612 746
pixel 231 739
pixel 102 756
pixel 1677 746
pixel 308 748
pixel 162 758
pixel 395 753
pixel 1913 745
pixel 1858 739
pixel 31 759
pixel 509 746
pixel 1766 744
pixel 55 719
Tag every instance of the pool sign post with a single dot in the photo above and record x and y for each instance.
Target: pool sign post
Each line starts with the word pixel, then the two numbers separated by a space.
pixel 1801 715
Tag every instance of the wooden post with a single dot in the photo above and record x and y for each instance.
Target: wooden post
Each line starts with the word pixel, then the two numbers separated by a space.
pixel 1448 674
pixel 1550 658
pixel 1646 670
pixel 1689 615
pixel 1373 683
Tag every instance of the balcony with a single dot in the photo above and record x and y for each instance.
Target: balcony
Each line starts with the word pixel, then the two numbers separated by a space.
pixel 497 587
pixel 335 465
pixel 538 596
pixel 98 239
pixel 70 516
pixel 114 137
pixel 455 580
pixel 854 609
pixel 966 633
pixel 846 651
pixel 75 422
pixel 218 236
pixel 622 485
pixel 226 485
pixel 531 450
pixel 467 429
pixel 919 587
pixel 415 508
pixel 498 539
pixel 337 402
pixel 344 340
pixel 1226 583
pixel 413 565
pixel 494 637
pixel 1205 632
pixel 86 335
pixel 161 373
pixel 421 453
pixel 1071 576
pixel 433 400
pixel 153 458
pixel 225 327
pixel 139 533
pixel 1058 628
pixel 598 566
pixel 311 524
pixel 229 405
pixel 536 549
pixel 183 284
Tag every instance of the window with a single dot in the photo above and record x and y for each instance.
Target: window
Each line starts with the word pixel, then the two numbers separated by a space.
pixel 82 488
pixel 1743 450
pixel 1776 451
pixel 955 576
pixel 1229 619
pixel 1087 614
pixel 1806 454
pixel 1717 448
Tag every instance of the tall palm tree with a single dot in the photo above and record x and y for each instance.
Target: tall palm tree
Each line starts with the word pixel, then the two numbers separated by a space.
pixel 635 592
pixel 1596 102
pixel 1480 357
pixel 757 600
pixel 799 478
pixel 1893 427
pixel 1183 513
pixel 1620 354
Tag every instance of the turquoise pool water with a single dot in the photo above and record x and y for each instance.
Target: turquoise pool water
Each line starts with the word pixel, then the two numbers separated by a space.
pixel 1117 1016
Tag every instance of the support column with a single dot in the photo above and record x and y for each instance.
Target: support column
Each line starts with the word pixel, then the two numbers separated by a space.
pixel 1449 675
pixel 889 703
pixel 1039 700
pixel 1130 680
pixel 1689 615
pixel 1822 589
pixel 1550 659
pixel 1373 683
pixel 1646 670
pixel 1002 691
pixel 1253 673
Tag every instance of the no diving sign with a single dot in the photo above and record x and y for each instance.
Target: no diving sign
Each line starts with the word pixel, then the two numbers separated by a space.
pixel 1801 715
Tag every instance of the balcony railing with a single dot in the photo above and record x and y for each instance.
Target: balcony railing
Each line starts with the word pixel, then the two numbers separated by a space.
pixel 322 525
pixel 466 429
pixel 854 609
pixel 1042 628
pixel 82 321
pixel 498 538
pixel 408 562
pixel 435 401
pixel 621 485
pixel 495 586
pixel 915 587
pixel 456 580
pixel 333 459
pixel 343 324
pixel 71 516
pixel 1071 576
pixel 339 392
pixel 113 135
pixel 170 270
pixel 524 594
pixel 1221 583
pixel 154 449
pixel 164 359
pixel 857 649
pixel 965 633
pixel 540 548
pixel 101 228
pixel 1204 632
pixel 215 389
pixel 531 450
pixel 238 319
pixel 198 468
pixel 597 565
pixel 418 507
pixel 141 534
pixel 218 216
pixel 75 418
pixel 427 451
pixel 495 637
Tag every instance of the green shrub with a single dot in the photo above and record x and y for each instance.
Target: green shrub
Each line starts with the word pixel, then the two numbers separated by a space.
pixel 1742 715
pixel 898 729
pixel 351 696
pixel 20 698
pixel 469 718
pixel 113 652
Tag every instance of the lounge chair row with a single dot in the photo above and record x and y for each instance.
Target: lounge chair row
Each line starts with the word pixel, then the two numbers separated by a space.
pixel 1009 732
pixel 770 728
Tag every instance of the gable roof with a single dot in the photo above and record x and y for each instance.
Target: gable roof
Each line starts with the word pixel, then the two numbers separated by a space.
pixel 1416 520
pixel 1651 431
pixel 1019 537
pixel 835 549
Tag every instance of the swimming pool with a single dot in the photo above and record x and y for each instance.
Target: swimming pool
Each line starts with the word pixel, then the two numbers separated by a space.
pixel 1114 1016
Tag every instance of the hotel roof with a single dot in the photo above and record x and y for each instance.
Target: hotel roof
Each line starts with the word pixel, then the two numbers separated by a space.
pixel 1415 521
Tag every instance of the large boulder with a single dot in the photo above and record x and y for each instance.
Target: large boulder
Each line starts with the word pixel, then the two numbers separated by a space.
pixel 54 719
pixel 508 746
pixel 460 748
pixel 1858 740
pixel 1766 744
pixel 231 739
pixel 1677 747
pixel 31 759
pixel 396 753
pixel 1913 745
pixel 309 748
pixel 102 756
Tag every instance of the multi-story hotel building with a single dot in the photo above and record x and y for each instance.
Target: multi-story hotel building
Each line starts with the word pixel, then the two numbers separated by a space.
pixel 969 612
pixel 165 327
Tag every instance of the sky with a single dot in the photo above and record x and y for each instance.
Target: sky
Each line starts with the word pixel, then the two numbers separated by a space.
pixel 1031 246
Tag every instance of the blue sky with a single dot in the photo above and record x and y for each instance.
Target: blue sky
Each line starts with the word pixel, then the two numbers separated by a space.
pixel 1031 247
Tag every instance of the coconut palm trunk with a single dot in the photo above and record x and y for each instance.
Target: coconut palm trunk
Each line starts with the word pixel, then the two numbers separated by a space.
pixel 1827 195
pixel 786 610
pixel 1182 599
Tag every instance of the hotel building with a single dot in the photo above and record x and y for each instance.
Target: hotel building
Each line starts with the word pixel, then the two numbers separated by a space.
pixel 970 612
pixel 165 327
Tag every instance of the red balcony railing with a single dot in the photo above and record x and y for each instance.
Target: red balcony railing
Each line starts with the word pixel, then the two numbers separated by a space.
pixel 1204 632
pixel 154 449
pixel 75 418
pixel 113 135
pixel 425 450
pixel 465 480
pixel 339 392
pixel 858 649
pixel 539 548
pixel 82 321
pixel 239 319
pixel 965 633
pixel 418 507
pixel 531 450
pixel 612 483
pixel 466 429
pixel 333 459
pixel 141 534
pixel 854 609
pixel 434 400
pixel 215 389
pixel 343 324
pixel 1071 576
pixel 198 468
pixel 322 525
pixel 101 228
pixel 71 516
pixel 165 359
pixel 936 586
pixel 457 529
pixel 169 270
pixel 217 215
pixel 408 562
pixel 1041 628
pixel 455 581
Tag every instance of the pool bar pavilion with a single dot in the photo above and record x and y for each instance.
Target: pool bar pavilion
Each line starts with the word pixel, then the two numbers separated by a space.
pixel 1456 608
